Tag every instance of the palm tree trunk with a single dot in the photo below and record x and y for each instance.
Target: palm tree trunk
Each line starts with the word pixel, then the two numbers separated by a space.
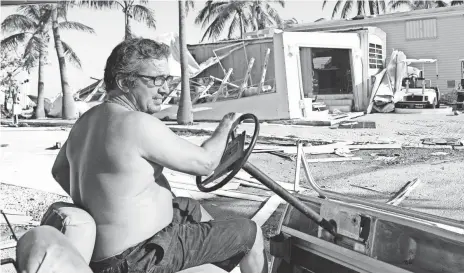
pixel 184 112
pixel 68 110
pixel 40 109
pixel 128 31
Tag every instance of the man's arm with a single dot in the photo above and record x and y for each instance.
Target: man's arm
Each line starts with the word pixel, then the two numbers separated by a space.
pixel 158 144
pixel 60 169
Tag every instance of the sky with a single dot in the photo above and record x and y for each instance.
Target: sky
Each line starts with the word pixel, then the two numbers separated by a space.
pixel 94 49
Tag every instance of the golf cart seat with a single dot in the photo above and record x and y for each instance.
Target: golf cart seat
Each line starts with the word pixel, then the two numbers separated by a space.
pixel 64 242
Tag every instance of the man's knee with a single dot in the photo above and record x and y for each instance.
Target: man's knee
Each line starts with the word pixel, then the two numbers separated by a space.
pixel 250 233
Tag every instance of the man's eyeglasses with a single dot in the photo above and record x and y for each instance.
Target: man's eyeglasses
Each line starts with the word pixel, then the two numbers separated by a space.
pixel 158 80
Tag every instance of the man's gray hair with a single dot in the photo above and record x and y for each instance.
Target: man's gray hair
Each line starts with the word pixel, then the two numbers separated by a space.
pixel 126 58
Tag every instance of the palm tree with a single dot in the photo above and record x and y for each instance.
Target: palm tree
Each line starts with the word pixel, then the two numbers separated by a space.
pixel 62 49
pixel 31 27
pixel 236 16
pixel 374 7
pixel 421 4
pixel 264 15
pixel 184 112
pixel 131 10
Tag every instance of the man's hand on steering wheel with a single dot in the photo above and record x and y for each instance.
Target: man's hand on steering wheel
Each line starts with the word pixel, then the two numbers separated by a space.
pixel 235 155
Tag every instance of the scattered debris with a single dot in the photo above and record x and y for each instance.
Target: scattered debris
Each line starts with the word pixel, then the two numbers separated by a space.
pixel 404 192
pixel 267 210
pixel 442 141
pixel 439 153
pixel 365 188
pixel 357 125
pixel 343 152
pixel 333 159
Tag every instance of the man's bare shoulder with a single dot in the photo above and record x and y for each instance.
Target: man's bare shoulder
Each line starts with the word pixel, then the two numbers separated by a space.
pixel 140 122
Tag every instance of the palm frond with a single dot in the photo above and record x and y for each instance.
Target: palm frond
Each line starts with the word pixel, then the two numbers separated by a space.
pixel 30 61
pixel 234 25
pixel 75 26
pixel 71 56
pixel 96 4
pixel 189 4
pixel 383 6
pixel 209 11
pixel 336 8
pixel 12 42
pixel 216 27
pixel 324 3
pixel 31 52
pixel 144 14
pixel 441 4
pixel 31 11
pixel 32 47
pixel 274 15
pixel 18 22
pixel 360 8
pixel 346 9
pixel 400 3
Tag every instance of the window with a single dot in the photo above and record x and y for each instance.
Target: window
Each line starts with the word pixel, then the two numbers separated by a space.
pixel 421 29
pixel 451 83
pixel 375 56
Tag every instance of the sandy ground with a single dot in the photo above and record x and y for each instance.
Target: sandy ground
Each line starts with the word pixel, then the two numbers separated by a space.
pixel 26 162
pixel 404 129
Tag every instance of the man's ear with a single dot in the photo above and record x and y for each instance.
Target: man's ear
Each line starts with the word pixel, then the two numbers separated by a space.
pixel 122 85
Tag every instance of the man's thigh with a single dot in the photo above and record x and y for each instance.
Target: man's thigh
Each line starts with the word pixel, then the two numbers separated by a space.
pixel 181 246
pixel 223 243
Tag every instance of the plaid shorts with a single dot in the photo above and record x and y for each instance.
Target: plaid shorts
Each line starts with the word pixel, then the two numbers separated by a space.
pixel 186 243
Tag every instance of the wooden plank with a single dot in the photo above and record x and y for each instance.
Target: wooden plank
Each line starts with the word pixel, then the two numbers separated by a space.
pixel 239 195
pixel 222 86
pixel 169 97
pixel 6 245
pixel 263 73
pixel 203 93
pixel 89 97
pixel 267 210
pixel 404 192
pixel 225 193
pixel 19 220
pixel 193 194
pixel 247 76
pixel 228 83
pixel 299 146
pixel 333 159
pixel 253 185
pixel 374 146
pixel 178 180
pixel 242 176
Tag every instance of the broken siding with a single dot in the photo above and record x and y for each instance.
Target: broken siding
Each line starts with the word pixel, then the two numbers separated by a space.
pixel 238 60
pixel 447 47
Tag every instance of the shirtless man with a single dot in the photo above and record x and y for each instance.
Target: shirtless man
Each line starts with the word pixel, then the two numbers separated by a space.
pixel 111 165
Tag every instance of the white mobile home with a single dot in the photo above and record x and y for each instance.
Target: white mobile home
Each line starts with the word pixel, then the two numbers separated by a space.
pixel 431 33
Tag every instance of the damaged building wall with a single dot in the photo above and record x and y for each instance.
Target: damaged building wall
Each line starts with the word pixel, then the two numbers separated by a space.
pixel 238 60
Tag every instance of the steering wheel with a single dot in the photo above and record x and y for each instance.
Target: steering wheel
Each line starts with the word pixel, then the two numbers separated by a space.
pixel 234 157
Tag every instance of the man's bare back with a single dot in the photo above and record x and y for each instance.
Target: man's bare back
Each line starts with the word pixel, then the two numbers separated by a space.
pixel 112 163
pixel 113 182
